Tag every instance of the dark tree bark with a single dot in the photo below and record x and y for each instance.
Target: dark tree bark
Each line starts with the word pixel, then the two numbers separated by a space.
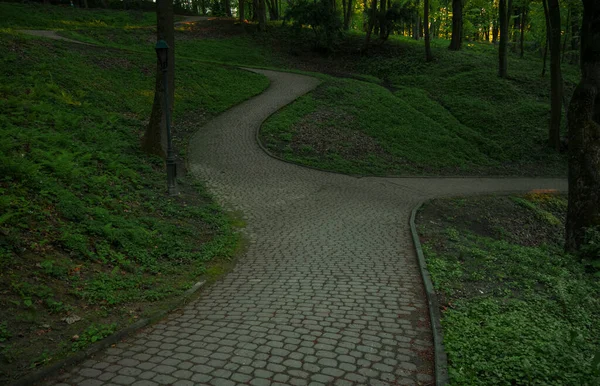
pixel 555 75
pixel 417 25
pixel 348 7
pixel 372 16
pixel 227 7
pixel 428 55
pixel 242 11
pixel 457 25
pixel 502 50
pixel 262 16
pixel 523 22
pixel 155 138
pixel 382 20
pixel 564 47
pixel 584 135
pixel 547 16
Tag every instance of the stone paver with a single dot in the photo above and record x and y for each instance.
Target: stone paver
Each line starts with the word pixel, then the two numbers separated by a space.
pixel 329 290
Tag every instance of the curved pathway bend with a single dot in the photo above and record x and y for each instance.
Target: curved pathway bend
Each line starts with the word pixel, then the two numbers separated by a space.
pixel 329 290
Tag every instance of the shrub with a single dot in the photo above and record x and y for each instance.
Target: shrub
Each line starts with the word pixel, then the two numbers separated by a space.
pixel 324 20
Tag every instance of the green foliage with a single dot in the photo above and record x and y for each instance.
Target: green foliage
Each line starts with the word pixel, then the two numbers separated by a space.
pixel 37 16
pixel 591 246
pixel 513 314
pixel 4 333
pixel 93 334
pixel 324 21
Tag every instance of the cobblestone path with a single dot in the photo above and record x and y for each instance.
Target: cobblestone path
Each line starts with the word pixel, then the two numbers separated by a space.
pixel 329 291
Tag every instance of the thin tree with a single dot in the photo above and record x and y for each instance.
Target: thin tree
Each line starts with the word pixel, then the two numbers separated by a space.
pixel 555 75
pixel 242 11
pixel 155 138
pixel 382 20
pixel 347 8
pixel 503 49
pixel 372 15
pixel 457 25
pixel 417 25
pixel 262 16
pixel 584 135
pixel 428 55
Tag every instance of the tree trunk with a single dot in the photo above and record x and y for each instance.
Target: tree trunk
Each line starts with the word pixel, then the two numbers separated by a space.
pixel 428 55
pixel 584 135
pixel 242 11
pixel 502 49
pixel 555 75
pixel 564 48
pixel 370 25
pixel 155 138
pixel 417 26
pixel 382 20
pixel 457 25
pixel 523 21
pixel 349 6
pixel 227 7
pixel 262 16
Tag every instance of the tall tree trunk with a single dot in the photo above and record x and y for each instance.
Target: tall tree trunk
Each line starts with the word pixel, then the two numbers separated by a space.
pixel 428 55
pixel 417 25
pixel 242 11
pixel 382 20
pixel 262 16
pixel 564 48
pixel 227 7
pixel 584 135
pixel 348 7
pixel 457 24
pixel 155 138
pixel 555 75
pixel 502 49
pixel 371 23
pixel 495 32
pixel 523 21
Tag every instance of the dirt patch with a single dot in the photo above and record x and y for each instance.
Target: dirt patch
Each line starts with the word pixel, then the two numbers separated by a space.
pixel 325 132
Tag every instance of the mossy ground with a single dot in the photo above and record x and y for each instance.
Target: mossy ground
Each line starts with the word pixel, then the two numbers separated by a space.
pixel 86 227
pixel 516 309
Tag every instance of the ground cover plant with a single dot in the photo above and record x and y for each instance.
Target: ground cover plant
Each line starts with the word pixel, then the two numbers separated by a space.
pixel 38 16
pixel 388 112
pixel 516 309
pixel 451 116
pixel 86 230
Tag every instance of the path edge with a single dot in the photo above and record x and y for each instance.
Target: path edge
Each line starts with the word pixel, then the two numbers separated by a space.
pixel 45 372
pixel 441 359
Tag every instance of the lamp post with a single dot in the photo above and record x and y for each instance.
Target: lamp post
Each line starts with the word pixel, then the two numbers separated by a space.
pixel 162 52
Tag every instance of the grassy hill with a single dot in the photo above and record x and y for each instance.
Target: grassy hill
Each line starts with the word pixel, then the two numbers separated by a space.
pixel 86 228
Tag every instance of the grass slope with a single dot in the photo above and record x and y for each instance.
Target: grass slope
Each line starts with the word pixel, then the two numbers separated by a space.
pixel 516 309
pixel 85 226
pixel 38 16
pixel 452 116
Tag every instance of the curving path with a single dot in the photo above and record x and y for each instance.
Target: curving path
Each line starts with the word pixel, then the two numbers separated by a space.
pixel 329 291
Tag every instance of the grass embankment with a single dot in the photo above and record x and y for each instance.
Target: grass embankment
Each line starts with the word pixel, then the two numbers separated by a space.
pixel 38 16
pixel 86 228
pixel 402 116
pixel 515 308
pixel 450 117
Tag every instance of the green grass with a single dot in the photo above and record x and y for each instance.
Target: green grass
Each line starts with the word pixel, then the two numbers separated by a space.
pixel 516 308
pixel 85 225
pixel 37 16
pixel 452 116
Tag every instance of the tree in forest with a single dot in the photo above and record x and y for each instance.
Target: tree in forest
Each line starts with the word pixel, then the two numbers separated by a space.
pixel 347 9
pixel 428 55
pixel 242 11
pixel 155 137
pixel 261 12
pixel 584 135
pixel 457 25
pixel 503 48
pixel 556 87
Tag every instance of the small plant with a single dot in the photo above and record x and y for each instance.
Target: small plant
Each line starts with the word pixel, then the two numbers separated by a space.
pixel 94 333
pixel 4 333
